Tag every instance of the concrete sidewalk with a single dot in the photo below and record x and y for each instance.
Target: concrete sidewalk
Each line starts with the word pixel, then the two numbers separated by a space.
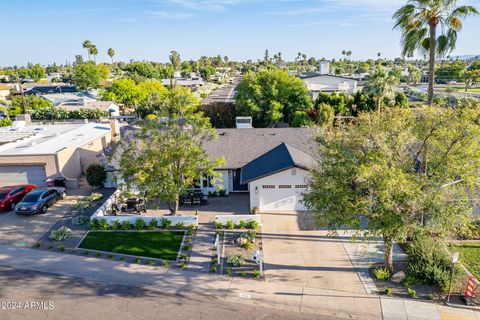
pixel 201 255
pixel 189 283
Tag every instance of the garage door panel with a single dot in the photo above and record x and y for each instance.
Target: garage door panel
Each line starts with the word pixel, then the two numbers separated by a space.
pixel 281 200
pixel 14 175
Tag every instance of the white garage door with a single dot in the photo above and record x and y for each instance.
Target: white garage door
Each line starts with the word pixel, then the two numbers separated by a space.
pixel 281 198
pixel 13 175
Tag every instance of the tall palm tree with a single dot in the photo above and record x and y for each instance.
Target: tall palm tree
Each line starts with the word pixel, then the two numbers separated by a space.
pixel 380 84
pixel 111 53
pixel 94 51
pixel 419 20
pixel 344 53
pixel 349 54
pixel 87 44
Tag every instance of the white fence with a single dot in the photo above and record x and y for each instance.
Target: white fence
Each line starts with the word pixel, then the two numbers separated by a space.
pixel 237 218
pixel 101 213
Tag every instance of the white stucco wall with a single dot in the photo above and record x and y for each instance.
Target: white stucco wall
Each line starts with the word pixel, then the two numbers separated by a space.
pixel 222 182
pixel 277 199
pixel 331 83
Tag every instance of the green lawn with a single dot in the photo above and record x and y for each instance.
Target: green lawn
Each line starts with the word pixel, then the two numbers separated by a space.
pixel 163 245
pixel 469 255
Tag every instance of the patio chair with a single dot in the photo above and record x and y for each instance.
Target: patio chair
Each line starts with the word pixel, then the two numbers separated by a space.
pixel 197 200
pixel 187 201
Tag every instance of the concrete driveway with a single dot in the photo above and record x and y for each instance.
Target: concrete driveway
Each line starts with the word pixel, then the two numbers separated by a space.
pixel 25 230
pixel 296 254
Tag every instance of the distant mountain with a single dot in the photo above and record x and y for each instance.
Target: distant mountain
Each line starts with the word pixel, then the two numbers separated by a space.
pixel 467 57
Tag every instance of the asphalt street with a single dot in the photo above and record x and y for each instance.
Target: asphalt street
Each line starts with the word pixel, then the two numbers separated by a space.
pixel 26 294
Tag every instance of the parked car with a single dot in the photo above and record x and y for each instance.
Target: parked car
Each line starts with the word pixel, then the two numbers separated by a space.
pixel 38 201
pixel 10 196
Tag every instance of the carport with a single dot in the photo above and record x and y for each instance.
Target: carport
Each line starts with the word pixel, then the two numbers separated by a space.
pixel 22 174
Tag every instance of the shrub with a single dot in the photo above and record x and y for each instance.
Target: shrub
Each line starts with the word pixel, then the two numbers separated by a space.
pixel 82 205
pixel 165 263
pixel 98 254
pixel 95 196
pixel 182 265
pixel 139 224
pixel 218 225
pixel 243 274
pixel 152 224
pixel 96 175
pixel 186 247
pixel 122 259
pixel 242 224
pixel 103 224
pixel 98 224
pixel 151 262
pixel 252 225
pixel 61 248
pixel 228 271
pixel 180 225
pixel 61 234
pixel 86 253
pixel 215 260
pixel 430 296
pixel 126 225
pixel 116 225
pixel 213 269
pixel 166 224
pixel 388 291
pixel 247 245
pixel 411 293
pixel 381 273
pixel 183 256
pixel 5 122
pixel 235 261
pixel 222 192
pixel 137 260
pixel 110 256
pixel 256 274
pixel 38 244
pixel 50 247
pixel 80 220
pixel 230 225
pixel 429 262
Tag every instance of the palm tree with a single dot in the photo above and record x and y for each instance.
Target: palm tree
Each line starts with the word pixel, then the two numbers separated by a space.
pixel 344 53
pixel 111 53
pixel 419 20
pixel 94 51
pixel 349 54
pixel 380 84
pixel 87 44
pixel 379 55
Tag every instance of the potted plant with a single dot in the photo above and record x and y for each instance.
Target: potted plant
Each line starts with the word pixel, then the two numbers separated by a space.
pixel 255 210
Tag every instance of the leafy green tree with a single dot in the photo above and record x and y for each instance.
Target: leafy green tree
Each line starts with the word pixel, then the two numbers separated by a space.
pixel 206 72
pixel 472 78
pixel 270 96
pixel 175 60
pixel 474 66
pixel 414 74
pixel 419 21
pixel 451 71
pixel 380 84
pixel 401 100
pixel 400 172
pixel 87 76
pixel 124 91
pixel 36 72
pixel 96 175
pixel 104 71
pixel 301 119
pixel 326 115
pixel 166 157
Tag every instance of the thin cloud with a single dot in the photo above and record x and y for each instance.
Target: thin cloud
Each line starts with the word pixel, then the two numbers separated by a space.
pixel 169 15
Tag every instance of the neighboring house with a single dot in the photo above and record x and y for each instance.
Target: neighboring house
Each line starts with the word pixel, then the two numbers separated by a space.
pixel 183 82
pixel 317 82
pixel 45 89
pixel 272 165
pixel 34 153
pixel 77 100
pixel 5 91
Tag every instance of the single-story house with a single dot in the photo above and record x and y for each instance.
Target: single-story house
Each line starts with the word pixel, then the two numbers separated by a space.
pixel 317 82
pixel 272 165
pixel 35 153
pixel 5 91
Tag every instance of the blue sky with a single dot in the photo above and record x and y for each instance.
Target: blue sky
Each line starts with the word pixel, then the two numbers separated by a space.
pixel 53 30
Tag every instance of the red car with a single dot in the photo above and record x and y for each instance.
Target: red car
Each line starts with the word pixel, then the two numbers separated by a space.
pixel 10 196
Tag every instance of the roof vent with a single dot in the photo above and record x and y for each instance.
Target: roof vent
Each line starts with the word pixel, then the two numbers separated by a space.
pixel 243 122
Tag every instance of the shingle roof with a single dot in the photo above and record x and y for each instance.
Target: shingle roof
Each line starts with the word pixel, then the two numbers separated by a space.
pixel 278 159
pixel 241 146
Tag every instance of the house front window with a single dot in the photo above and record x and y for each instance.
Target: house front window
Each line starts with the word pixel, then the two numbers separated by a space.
pixel 207 182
